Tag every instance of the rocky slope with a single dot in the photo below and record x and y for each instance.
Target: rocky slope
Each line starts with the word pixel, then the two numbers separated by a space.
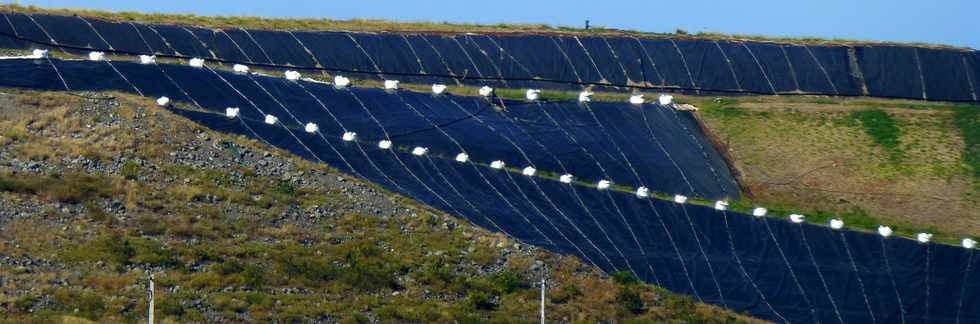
pixel 97 189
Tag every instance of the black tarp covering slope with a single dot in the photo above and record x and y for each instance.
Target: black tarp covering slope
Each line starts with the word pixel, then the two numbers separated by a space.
pixel 770 268
pixel 521 61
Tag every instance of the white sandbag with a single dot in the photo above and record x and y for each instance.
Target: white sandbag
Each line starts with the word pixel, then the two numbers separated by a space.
pixel 969 243
pixel 384 144
pixel 231 112
pixel 39 53
pixel 349 136
pixel 391 84
pixel 96 56
pixel 721 205
pixel 533 94
pixel 438 88
pixel 680 199
pixel 566 178
pixel 148 59
pixel 642 192
pixel 420 151
pixel 486 91
pixel 498 164
pixel 759 212
pixel 685 107
pixel 796 218
pixel 885 231
pixel 836 223
pixel 240 68
pixel 292 75
pixel 163 101
pixel 585 96
pixel 636 99
pixel 341 81
pixel 923 237
pixel 666 100
pixel 311 128
pixel 529 171
pixel 196 62
pixel 271 120
pixel 603 184
pixel 462 157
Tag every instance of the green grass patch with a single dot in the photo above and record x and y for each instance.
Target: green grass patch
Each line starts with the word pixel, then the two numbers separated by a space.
pixel 70 188
pixel 882 128
pixel 967 120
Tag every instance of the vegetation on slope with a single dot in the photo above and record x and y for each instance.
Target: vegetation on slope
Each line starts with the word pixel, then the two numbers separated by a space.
pixel 906 164
pixel 236 231
pixel 380 25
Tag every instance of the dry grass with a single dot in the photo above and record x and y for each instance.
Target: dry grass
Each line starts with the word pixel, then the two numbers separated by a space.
pixel 380 25
pixel 818 157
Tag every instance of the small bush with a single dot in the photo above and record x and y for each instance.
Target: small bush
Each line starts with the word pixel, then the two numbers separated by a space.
pixel 507 282
pixel 629 300
pixel 481 301
pixel 625 278
pixel 130 170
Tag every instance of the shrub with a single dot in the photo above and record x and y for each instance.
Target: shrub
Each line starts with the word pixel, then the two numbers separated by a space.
pixel 507 282
pixel 130 170
pixel 629 300
pixel 481 301
pixel 625 278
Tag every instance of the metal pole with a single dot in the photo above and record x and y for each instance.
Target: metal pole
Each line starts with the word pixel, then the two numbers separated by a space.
pixel 150 297
pixel 542 300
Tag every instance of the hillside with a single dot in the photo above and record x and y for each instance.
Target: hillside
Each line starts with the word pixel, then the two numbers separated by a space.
pixel 237 231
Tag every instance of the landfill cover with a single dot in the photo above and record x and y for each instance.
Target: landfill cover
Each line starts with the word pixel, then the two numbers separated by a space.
pixel 770 268
pixel 615 62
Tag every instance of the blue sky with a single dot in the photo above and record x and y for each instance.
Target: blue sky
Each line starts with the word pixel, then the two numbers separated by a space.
pixel 952 22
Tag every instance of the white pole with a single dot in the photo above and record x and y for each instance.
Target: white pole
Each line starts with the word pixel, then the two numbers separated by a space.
pixel 151 297
pixel 542 300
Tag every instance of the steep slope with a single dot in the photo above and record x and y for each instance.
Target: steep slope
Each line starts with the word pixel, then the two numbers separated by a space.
pixel 97 188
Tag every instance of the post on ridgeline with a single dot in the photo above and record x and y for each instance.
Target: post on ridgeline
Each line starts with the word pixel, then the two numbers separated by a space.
pixel 150 296
pixel 542 300
pixel 586 24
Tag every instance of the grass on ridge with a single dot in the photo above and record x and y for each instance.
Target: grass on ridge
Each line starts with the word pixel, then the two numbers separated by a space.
pixel 381 25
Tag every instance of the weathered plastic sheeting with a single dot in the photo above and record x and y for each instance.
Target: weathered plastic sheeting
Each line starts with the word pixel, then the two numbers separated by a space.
pixel 708 65
pixel 776 65
pixel 242 44
pixel 282 48
pixel 393 55
pixel 535 61
pixel 181 40
pixel 973 73
pixel 747 68
pixel 502 60
pixel 770 268
pixel 69 30
pixel 837 62
pixel 639 68
pixel 221 45
pixel 153 39
pixel 946 76
pixel 24 27
pixel 541 55
pixel 122 36
pixel 337 50
pixel 810 75
pixel 891 71
pixel 595 141
pixel 606 61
